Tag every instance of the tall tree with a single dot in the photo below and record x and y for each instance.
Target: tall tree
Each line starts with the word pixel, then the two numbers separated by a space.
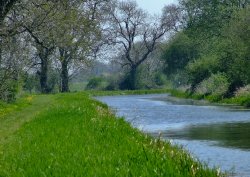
pixel 38 25
pixel 137 34
pixel 205 18
pixel 81 30
pixel 7 72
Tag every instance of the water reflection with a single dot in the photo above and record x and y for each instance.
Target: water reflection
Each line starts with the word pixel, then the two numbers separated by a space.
pixel 234 135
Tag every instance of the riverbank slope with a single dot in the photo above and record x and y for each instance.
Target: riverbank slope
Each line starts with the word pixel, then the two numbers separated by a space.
pixel 74 135
pixel 240 101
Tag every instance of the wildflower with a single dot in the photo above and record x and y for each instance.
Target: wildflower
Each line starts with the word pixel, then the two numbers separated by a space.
pixel 218 171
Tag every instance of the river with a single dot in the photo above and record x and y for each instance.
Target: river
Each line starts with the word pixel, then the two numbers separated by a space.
pixel 216 135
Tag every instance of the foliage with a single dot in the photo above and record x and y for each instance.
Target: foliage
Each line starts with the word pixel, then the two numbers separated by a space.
pixel 77 135
pixel 113 84
pixel 233 51
pixel 30 82
pixel 205 19
pixel 160 79
pixel 77 86
pixel 200 69
pixel 216 85
pixel 39 25
pixel 218 35
pixel 137 34
pixel 178 52
pixel 243 91
pixel 8 85
pixel 96 83
pixel 130 81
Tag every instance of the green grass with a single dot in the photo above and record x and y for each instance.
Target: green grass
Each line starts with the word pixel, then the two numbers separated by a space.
pixel 242 101
pixel 13 116
pixel 77 86
pixel 19 104
pixel 73 135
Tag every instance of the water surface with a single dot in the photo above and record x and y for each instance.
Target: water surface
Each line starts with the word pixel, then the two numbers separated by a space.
pixel 218 135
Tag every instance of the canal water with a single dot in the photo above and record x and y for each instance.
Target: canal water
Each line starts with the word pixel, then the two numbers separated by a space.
pixel 216 135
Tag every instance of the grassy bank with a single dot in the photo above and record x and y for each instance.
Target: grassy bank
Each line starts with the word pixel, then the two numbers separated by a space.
pixel 241 101
pixel 73 135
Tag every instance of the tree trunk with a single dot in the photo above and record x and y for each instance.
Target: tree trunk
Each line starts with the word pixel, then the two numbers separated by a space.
pixel 64 76
pixel 133 78
pixel 1 52
pixel 44 54
pixel 44 76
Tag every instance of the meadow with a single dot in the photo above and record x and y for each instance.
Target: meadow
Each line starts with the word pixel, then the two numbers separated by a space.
pixel 74 135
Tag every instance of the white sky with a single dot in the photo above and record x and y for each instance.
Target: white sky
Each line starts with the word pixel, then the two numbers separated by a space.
pixel 154 6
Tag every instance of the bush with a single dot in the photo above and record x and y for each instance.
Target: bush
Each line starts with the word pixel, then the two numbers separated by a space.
pixel 201 69
pixel 215 85
pixel 96 83
pixel 246 103
pixel 8 90
pixel 159 79
pixel 112 85
pixel 243 91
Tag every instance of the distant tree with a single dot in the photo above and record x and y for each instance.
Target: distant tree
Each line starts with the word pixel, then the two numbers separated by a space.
pixel 137 34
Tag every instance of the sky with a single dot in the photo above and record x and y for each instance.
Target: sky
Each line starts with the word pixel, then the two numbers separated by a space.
pixel 154 6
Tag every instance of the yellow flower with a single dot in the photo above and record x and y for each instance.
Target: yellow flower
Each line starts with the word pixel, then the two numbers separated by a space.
pixel 29 98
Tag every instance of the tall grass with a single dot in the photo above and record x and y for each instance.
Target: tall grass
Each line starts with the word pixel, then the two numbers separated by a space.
pixel 21 103
pixel 78 136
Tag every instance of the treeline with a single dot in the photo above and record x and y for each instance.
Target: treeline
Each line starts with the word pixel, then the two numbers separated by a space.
pixel 206 53
pixel 43 43
pixel 199 46
pixel 210 56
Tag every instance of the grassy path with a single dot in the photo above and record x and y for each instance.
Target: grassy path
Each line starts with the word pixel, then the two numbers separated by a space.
pixel 73 135
pixel 20 113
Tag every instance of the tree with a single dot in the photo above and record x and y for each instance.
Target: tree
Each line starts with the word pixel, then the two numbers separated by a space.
pixel 39 20
pixel 137 34
pixel 81 31
pixel 233 50
pixel 8 71
pixel 219 33
pixel 5 7
pixel 178 51
pixel 205 18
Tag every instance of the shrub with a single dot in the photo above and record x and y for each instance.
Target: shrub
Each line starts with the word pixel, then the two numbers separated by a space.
pixel 112 85
pixel 8 90
pixel 243 91
pixel 246 103
pixel 216 85
pixel 96 83
pixel 201 69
